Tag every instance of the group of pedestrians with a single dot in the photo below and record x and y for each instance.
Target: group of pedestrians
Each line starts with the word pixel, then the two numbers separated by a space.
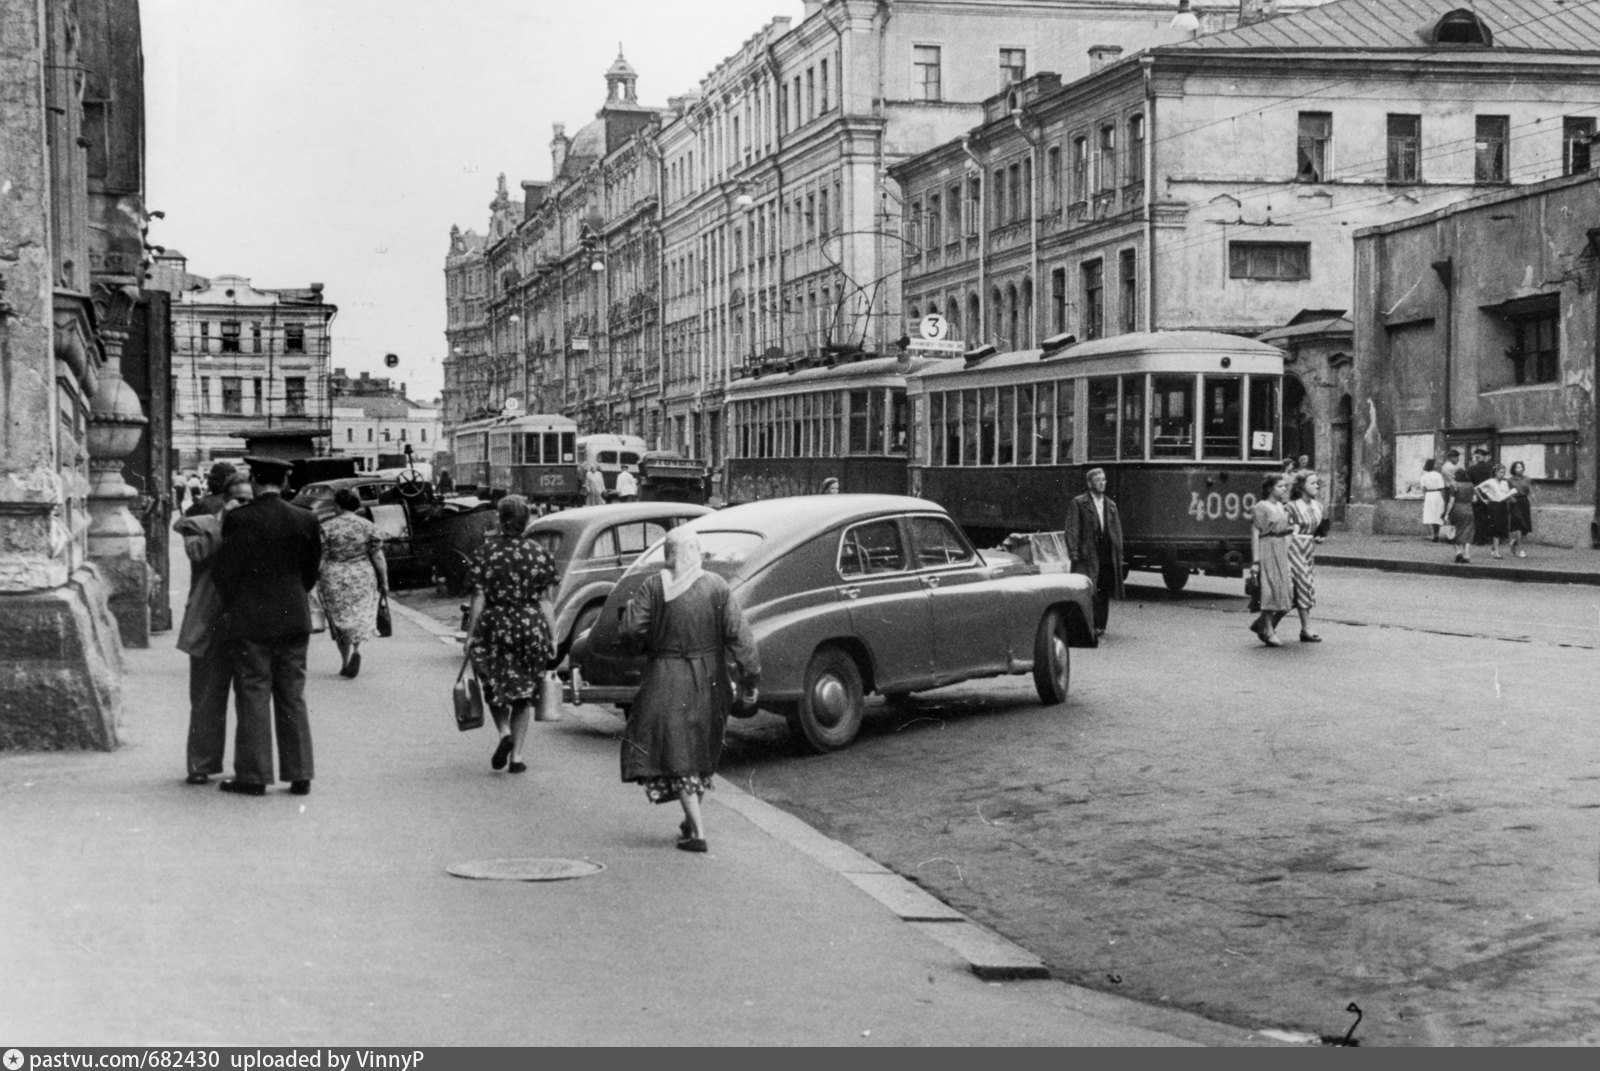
pixel 1288 522
pixel 1481 504
pixel 247 624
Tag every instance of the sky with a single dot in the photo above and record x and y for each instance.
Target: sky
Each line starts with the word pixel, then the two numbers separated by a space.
pixel 337 141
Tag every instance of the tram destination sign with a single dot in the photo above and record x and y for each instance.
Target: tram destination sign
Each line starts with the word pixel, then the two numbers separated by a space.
pixel 937 345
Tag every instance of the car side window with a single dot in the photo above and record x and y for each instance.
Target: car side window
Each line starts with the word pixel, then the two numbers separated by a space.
pixel 938 542
pixel 636 538
pixel 605 544
pixel 872 548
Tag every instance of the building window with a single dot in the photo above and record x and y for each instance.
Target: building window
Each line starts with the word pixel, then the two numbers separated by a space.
pixel 1080 169
pixel 997 196
pixel 205 394
pixel 811 92
pixel 1577 136
pixel 822 212
pixel 294 395
pixel 824 85
pixel 1405 148
pixel 230 336
pixel 294 338
pixel 935 221
pixel 1269 260
pixel 1128 271
pixel 349 435
pixel 952 207
pixel 1136 149
pixel 257 384
pixel 387 434
pixel 1094 299
pixel 1058 301
pixel 255 337
pixel 205 336
pixel 925 72
pixel 1013 66
pixel 232 395
pixel 1493 134
pixel 1014 194
pixel 424 434
pixel 1052 179
pixel 1106 179
pixel 1536 351
pixel 369 435
pixel 1316 143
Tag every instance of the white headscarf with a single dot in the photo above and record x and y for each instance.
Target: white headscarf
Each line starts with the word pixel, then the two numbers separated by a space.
pixel 683 563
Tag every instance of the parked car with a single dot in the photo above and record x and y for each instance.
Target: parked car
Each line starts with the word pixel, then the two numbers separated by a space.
pixel 593 546
pixel 318 497
pixel 850 594
pixel 426 538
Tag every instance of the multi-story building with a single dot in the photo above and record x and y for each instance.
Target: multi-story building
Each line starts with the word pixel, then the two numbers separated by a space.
pixel 247 362
pixel 466 388
pixel 374 421
pixel 1475 325
pixel 1215 183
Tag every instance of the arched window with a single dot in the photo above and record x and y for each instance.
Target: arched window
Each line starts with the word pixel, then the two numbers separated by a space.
pixel 993 314
pixel 1027 314
pixel 952 312
pixel 1013 341
pixel 1462 27
pixel 974 318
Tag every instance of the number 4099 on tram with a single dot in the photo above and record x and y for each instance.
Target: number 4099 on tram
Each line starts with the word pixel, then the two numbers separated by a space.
pixel 1186 424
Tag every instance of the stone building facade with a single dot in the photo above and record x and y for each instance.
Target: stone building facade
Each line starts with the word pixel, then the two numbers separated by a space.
pixel 1476 324
pixel 465 283
pixel 246 360
pixel 74 579
pixel 1215 183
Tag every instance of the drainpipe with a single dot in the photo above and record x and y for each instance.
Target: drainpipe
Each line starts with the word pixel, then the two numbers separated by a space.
pixel 983 241
pixel 1445 270
pixel 1594 525
pixel 1147 63
pixel 879 255
pixel 1036 184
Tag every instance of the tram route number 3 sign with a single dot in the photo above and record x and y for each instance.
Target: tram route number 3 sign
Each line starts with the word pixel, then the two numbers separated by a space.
pixel 1216 506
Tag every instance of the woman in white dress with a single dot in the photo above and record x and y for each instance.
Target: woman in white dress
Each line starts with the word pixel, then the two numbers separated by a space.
pixel 1432 498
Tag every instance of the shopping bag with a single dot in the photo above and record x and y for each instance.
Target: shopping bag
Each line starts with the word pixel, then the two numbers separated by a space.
pixel 385 622
pixel 319 616
pixel 468 698
pixel 1447 532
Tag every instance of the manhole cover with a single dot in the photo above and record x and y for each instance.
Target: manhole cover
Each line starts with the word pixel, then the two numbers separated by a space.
pixel 525 869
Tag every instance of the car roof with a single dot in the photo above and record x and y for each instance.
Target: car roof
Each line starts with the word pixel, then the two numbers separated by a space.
pixel 785 523
pixel 571 520
pixel 348 481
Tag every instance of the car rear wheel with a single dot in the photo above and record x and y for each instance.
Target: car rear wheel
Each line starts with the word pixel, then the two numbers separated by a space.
pixel 1052 660
pixel 1176 577
pixel 828 715
pixel 585 621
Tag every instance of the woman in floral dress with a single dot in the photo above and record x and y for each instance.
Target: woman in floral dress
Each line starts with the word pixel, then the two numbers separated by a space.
pixel 1306 514
pixel 354 574
pixel 508 638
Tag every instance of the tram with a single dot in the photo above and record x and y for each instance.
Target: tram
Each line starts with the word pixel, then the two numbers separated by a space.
pixel 787 432
pixel 1185 423
pixel 532 454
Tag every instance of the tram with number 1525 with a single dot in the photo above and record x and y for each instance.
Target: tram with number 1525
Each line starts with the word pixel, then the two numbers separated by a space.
pixel 1186 424
pixel 530 454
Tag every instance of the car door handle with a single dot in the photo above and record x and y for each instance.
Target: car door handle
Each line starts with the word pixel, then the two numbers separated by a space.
pixel 850 593
pixel 930 581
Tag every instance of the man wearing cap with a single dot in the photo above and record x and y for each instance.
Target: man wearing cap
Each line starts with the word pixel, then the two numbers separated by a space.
pixel 210 505
pixel 1480 470
pixel 269 559
pixel 1094 544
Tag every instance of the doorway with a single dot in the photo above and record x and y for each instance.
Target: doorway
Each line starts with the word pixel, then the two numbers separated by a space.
pixel 1339 494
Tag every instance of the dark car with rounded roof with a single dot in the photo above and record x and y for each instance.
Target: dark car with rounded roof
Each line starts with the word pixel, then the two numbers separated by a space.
pixel 851 594
pixel 593 546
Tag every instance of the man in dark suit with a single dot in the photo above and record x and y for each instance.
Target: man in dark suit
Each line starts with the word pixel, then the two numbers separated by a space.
pixel 1094 543
pixel 269 559
pixel 1480 469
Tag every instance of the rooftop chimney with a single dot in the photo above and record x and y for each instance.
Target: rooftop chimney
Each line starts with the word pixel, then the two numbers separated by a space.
pixel 558 148
pixel 1101 55
pixel 1256 10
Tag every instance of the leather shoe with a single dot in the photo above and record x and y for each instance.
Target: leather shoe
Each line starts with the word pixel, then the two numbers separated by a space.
pixel 354 666
pixel 243 788
pixel 517 767
pixel 1310 637
pixel 502 752
pixel 197 779
pixel 299 788
pixel 692 844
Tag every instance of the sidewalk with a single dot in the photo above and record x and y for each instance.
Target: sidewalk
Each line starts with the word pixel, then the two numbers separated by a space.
pixel 1415 554
pixel 142 911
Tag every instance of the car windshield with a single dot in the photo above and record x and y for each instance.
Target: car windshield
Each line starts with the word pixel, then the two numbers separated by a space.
pixel 722 552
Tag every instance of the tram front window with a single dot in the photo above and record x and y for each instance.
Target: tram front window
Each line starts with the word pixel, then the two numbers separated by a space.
pixel 969 426
pixel 1103 419
pixel 1263 418
pixel 1172 416
pixel 1223 404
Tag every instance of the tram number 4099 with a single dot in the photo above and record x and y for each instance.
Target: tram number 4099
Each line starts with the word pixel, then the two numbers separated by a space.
pixel 1216 505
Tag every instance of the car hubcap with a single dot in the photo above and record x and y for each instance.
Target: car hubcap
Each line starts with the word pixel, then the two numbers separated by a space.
pixel 830 701
pixel 1058 660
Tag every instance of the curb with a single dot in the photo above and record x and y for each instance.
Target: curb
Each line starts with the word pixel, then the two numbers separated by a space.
pixel 1473 571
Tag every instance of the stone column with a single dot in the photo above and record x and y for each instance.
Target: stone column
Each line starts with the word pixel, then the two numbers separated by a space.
pixel 116 539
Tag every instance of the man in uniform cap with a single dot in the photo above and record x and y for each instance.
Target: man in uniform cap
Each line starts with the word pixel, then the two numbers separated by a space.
pixel 1480 470
pixel 269 559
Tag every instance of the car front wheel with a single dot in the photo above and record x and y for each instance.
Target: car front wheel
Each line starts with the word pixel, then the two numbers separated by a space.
pixel 1052 659
pixel 828 715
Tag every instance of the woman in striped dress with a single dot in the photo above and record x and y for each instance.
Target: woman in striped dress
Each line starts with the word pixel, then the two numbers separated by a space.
pixel 1305 513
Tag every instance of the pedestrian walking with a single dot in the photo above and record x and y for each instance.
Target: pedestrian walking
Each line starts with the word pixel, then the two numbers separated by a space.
pixel 197 487
pixel 1461 518
pixel 1270 526
pixel 268 563
pixel 444 484
pixel 688 623
pixel 508 636
pixel 355 574
pixel 1480 470
pixel 627 486
pixel 1094 544
pixel 1495 495
pixel 180 492
pixel 214 497
pixel 594 485
pixel 1432 498
pixel 204 639
pixel 1521 507
pixel 1306 514
pixel 830 486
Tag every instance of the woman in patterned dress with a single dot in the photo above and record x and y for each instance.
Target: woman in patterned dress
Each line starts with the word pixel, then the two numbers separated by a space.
pixel 354 574
pixel 508 638
pixel 1269 532
pixel 1305 512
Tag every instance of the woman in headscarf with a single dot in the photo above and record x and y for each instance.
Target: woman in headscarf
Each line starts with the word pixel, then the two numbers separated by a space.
pixel 691 626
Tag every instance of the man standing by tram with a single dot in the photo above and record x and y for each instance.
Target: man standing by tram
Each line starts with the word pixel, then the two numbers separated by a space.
pixel 1094 544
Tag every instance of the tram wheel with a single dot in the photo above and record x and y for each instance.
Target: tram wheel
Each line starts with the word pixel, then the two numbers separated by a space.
pixel 1176 577
pixel 1052 660
pixel 828 716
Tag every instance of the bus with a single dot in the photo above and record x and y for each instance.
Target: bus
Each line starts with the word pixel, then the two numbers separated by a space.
pixel 612 453
pixel 787 432
pixel 1185 424
pixel 533 454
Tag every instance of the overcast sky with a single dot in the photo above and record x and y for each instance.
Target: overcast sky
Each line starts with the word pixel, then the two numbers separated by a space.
pixel 336 141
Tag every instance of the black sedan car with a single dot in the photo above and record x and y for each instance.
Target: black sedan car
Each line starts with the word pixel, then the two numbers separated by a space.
pixel 849 594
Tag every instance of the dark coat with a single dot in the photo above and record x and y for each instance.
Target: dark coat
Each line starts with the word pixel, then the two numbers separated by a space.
pixel 269 559
pixel 1083 528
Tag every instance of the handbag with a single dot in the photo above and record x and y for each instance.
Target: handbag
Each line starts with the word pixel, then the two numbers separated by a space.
pixel 319 615
pixel 468 697
pixel 1252 591
pixel 385 622
pixel 1447 532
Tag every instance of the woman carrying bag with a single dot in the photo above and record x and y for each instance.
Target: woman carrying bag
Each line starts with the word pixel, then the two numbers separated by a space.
pixel 354 584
